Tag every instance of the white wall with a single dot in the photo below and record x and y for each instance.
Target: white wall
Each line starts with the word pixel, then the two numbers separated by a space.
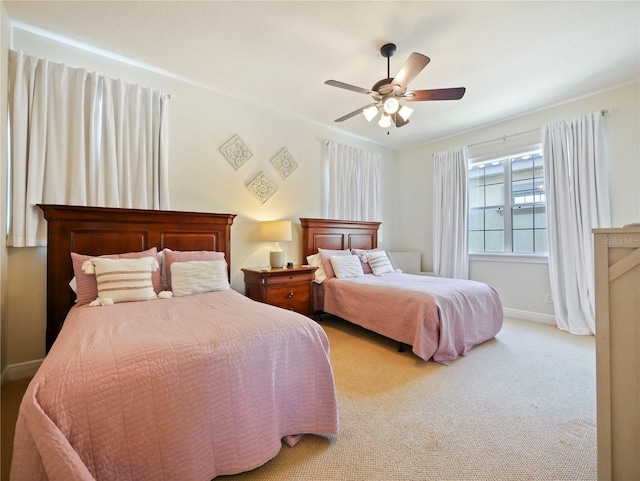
pixel 202 180
pixel 522 286
pixel 4 320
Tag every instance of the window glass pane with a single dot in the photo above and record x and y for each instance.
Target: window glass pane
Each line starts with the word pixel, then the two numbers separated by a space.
pixel 522 167
pixel 475 181
pixel 541 241
pixel 494 173
pixel 476 219
pixel 476 241
pixel 522 218
pixel 523 241
pixel 476 197
pixel 494 219
pixel 540 214
pixel 522 192
pixel 495 194
pixel 538 166
pixel 494 241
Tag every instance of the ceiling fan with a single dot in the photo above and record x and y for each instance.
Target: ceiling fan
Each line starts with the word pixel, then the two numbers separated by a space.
pixel 388 92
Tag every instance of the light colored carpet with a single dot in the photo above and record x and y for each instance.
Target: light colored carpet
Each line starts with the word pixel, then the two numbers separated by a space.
pixel 519 407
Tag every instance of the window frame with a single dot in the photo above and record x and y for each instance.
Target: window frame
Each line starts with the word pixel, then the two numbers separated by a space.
pixel 508 255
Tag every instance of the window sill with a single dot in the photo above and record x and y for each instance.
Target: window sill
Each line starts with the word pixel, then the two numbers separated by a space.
pixel 523 258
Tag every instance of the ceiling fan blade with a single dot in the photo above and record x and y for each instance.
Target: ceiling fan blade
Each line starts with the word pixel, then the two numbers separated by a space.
pixel 352 114
pixel 398 120
pixel 435 94
pixel 342 85
pixel 412 67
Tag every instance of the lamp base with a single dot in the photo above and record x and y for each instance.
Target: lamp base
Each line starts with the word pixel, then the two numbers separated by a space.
pixel 276 259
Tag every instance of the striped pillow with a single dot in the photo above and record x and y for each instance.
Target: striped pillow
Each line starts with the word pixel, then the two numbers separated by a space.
pixel 346 266
pixel 86 288
pixel 379 262
pixel 123 280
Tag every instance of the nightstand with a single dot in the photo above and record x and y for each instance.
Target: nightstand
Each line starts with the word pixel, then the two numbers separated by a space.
pixel 286 288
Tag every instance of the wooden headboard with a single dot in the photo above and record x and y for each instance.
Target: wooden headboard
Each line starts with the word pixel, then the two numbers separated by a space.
pixel 103 230
pixel 337 234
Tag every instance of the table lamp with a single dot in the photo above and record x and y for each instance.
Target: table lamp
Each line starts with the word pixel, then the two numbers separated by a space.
pixel 276 231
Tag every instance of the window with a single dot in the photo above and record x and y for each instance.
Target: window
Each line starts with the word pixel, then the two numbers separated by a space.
pixel 507 211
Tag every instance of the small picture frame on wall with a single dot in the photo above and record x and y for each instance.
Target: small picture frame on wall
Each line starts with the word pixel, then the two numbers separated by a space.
pixel 236 152
pixel 284 163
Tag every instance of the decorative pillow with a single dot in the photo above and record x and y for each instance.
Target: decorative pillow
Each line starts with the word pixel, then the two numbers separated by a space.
pixel 122 280
pixel 185 256
pixel 346 266
pixel 379 262
pixel 362 255
pixel 319 275
pixel 86 287
pixel 194 277
pixel 325 256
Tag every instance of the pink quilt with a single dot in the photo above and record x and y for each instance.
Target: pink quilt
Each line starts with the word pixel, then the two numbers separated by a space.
pixel 186 388
pixel 440 318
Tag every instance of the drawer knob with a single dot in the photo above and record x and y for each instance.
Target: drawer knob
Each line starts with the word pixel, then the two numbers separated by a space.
pixel 290 294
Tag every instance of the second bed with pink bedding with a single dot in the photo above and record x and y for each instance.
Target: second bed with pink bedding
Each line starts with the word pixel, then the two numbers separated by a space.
pixel 440 318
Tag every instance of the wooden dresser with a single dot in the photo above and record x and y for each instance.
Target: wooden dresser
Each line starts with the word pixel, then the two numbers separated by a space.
pixel 617 276
pixel 286 288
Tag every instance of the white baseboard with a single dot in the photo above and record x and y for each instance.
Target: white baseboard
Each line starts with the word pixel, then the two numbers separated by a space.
pixel 530 316
pixel 20 370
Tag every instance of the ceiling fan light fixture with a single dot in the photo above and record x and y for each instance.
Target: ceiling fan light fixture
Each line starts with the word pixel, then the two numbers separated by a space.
pixel 391 105
pixel 370 112
pixel 385 121
pixel 405 112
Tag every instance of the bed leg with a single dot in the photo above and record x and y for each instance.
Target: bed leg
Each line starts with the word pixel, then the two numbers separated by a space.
pixel 401 348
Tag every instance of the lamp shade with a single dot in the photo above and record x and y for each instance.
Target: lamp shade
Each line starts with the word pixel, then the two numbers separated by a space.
pixel 370 112
pixel 385 121
pixel 276 230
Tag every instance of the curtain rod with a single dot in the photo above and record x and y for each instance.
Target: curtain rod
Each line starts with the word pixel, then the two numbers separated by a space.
pixel 505 137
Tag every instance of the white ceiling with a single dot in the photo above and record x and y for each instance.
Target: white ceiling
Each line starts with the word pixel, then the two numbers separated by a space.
pixel 512 56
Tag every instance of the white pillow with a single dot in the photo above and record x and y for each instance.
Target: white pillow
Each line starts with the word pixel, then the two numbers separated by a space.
pixel 346 266
pixel 195 277
pixel 315 261
pixel 122 280
pixel 379 262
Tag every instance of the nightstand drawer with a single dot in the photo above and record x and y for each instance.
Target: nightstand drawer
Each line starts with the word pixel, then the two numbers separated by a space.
pixel 302 307
pixel 287 278
pixel 290 293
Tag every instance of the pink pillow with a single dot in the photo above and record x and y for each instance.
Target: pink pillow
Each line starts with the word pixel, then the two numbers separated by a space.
pixel 366 268
pixel 87 287
pixel 185 256
pixel 325 257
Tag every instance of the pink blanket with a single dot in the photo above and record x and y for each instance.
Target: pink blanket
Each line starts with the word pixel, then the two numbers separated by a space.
pixel 440 318
pixel 183 389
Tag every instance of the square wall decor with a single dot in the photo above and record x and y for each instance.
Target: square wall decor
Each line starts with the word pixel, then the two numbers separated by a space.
pixel 236 152
pixel 284 162
pixel 262 187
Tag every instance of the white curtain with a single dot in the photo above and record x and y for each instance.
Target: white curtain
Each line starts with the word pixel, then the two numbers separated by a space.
pixel 450 213
pixel 354 183
pixel 576 171
pixel 79 138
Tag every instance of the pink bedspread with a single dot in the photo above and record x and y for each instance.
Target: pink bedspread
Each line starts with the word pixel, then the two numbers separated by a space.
pixel 440 318
pixel 182 389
